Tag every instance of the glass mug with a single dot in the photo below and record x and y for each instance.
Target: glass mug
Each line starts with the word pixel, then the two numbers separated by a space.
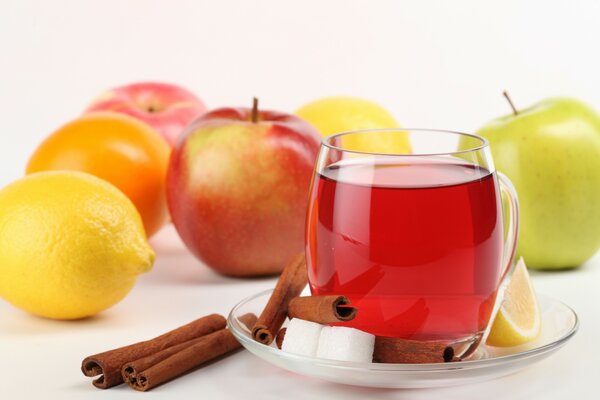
pixel 415 240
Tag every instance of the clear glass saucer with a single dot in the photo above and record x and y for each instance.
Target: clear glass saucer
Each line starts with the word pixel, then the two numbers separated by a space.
pixel 559 324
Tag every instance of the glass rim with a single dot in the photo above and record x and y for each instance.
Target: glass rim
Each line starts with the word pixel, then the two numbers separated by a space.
pixel 326 141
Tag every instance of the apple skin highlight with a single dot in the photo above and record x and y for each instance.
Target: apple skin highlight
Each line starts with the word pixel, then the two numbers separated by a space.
pixel 237 190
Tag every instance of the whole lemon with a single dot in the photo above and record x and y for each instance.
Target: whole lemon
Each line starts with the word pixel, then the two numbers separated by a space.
pixel 71 244
pixel 339 114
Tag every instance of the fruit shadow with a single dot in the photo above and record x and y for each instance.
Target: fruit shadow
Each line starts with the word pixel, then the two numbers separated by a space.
pixel 182 269
pixel 175 265
pixel 20 323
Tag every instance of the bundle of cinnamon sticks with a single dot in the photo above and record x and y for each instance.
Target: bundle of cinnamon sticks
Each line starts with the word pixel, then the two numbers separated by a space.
pixel 148 364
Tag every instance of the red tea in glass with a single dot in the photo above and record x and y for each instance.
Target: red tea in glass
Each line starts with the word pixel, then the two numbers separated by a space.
pixel 414 241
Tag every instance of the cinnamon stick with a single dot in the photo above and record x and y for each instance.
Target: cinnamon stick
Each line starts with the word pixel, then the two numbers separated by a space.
pixel 322 309
pixel 173 365
pixel 292 281
pixel 108 364
pixel 397 350
pixel 131 369
pixel 280 337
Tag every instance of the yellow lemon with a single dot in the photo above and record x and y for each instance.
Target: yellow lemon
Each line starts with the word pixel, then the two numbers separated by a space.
pixel 71 244
pixel 518 320
pixel 342 114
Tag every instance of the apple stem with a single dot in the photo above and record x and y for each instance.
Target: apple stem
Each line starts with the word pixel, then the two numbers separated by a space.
pixel 254 115
pixel 512 105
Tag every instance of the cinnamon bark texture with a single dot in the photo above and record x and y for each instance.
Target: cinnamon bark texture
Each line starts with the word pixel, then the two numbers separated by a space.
pixel 161 368
pixel 108 364
pixel 292 281
pixel 396 350
pixel 322 309
pixel 131 369
pixel 280 337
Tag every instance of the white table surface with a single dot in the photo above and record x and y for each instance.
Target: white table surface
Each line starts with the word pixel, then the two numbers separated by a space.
pixel 41 358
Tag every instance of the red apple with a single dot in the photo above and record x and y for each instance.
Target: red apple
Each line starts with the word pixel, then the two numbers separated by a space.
pixel 167 108
pixel 237 188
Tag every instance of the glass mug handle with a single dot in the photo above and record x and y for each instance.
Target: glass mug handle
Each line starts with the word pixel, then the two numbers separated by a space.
pixel 510 245
pixel 510 242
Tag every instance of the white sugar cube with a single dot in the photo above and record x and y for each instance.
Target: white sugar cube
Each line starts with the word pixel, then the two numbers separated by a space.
pixel 302 337
pixel 345 344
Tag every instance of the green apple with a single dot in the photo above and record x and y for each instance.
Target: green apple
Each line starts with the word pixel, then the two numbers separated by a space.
pixel 551 153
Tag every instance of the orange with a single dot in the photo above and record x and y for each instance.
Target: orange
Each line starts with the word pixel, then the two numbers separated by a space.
pixel 117 148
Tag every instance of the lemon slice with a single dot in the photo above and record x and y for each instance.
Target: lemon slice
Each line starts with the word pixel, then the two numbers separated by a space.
pixel 518 320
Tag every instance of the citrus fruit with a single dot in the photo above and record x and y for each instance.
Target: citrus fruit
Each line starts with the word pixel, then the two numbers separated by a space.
pixel 71 244
pixel 339 114
pixel 518 320
pixel 115 147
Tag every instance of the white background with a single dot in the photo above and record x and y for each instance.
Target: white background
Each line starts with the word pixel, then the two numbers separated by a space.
pixel 431 63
